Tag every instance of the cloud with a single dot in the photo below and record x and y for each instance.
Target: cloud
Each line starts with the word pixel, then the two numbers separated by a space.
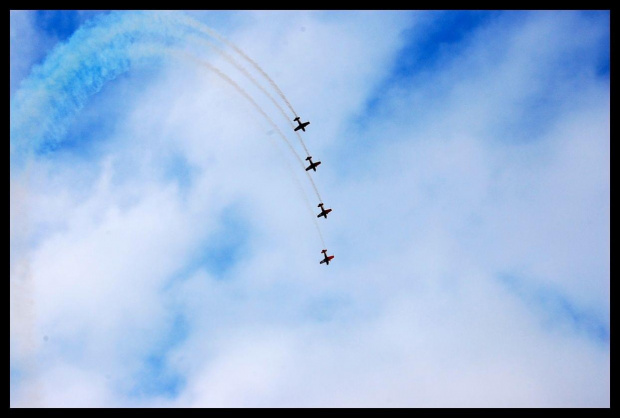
pixel 174 262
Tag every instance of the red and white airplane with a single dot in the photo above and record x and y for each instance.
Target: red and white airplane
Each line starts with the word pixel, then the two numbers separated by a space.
pixel 301 126
pixel 324 211
pixel 312 165
pixel 327 258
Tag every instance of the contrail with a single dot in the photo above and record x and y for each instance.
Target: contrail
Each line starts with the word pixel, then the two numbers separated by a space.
pixel 245 72
pixel 307 203
pixel 211 32
pixel 49 98
pixel 99 51
pixel 253 102
pixel 239 89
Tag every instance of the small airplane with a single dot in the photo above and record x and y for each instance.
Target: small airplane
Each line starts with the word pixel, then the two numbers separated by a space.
pixel 301 126
pixel 312 165
pixel 324 211
pixel 327 258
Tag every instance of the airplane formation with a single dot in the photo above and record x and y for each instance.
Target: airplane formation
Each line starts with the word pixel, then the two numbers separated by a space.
pixel 313 166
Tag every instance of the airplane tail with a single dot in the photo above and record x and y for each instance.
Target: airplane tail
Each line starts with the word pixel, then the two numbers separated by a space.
pixel 309 158
pixel 297 118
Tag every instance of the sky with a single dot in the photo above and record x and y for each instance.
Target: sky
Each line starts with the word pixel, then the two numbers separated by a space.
pixel 164 242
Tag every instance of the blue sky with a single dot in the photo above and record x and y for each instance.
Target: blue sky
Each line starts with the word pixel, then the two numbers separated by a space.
pixel 163 246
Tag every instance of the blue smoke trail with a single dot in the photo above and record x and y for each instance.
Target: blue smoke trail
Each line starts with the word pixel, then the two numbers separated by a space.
pixel 99 51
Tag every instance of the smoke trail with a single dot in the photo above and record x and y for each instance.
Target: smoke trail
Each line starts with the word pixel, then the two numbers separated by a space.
pixel 245 72
pixel 211 32
pixel 100 50
pixel 308 205
pixel 43 107
pixel 299 187
pixel 253 102
pixel 47 100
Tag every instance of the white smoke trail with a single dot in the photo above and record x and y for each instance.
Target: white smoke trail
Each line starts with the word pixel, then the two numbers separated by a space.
pixel 205 64
pixel 185 55
pixel 100 50
pixel 308 205
pixel 200 27
pixel 249 76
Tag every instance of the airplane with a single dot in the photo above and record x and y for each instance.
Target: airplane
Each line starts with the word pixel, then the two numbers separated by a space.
pixel 312 165
pixel 327 258
pixel 301 126
pixel 324 211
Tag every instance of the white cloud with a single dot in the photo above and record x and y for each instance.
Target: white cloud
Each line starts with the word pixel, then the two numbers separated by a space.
pixel 441 199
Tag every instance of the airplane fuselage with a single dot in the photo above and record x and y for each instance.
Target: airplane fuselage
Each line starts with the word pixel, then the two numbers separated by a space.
pixel 324 213
pixel 301 126
pixel 313 166
pixel 327 258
